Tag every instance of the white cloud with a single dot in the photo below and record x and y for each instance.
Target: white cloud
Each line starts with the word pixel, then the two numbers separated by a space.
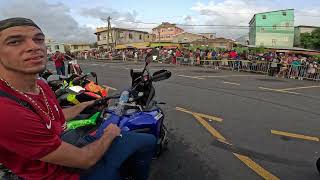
pixel 54 19
pixel 119 19
pixel 228 12
pixel 240 12
pixel 308 16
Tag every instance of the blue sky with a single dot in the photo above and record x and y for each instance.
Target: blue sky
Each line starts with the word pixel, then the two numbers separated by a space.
pixel 73 19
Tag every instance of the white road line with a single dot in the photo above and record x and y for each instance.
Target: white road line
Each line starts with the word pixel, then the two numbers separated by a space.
pixel 296 88
pixel 108 87
pixel 232 83
pixel 223 76
pixel 278 90
pixel 192 77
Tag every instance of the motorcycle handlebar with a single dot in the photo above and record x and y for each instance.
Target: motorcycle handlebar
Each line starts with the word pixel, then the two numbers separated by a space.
pixel 104 100
pixel 76 81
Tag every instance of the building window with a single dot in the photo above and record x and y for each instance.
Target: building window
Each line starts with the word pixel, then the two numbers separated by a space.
pixel 264 17
pixel 262 30
pixel 121 34
pixel 274 42
pixel 104 37
pixel 211 36
pixel 274 27
pixel 98 37
pixel 286 39
pixel 162 30
pixel 75 47
pixel 56 47
pixel 284 13
pixel 140 36
pixel 130 36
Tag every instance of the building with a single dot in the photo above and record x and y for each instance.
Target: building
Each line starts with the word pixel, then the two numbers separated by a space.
pixel 165 32
pixel 79 47
pixel 53 46
pixel 299 30
pixel 209 35
pixel 187 37
pixel 214 43
pixel 244 40
pixel 274 28
pixel 121 36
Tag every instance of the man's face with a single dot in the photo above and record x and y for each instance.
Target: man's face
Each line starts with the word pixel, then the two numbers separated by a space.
pixel 23 50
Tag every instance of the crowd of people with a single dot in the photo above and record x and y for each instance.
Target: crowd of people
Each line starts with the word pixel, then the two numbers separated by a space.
pixel 275 64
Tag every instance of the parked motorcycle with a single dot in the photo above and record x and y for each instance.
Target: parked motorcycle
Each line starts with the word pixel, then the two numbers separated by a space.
pixel 142 113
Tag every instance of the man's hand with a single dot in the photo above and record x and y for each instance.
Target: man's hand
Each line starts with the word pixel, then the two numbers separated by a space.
pixel 86 104
pixel 112 131
pixel 85 157
pixel 71 112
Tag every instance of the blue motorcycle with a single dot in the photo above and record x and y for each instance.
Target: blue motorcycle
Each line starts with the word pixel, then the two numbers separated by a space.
pixel 141 113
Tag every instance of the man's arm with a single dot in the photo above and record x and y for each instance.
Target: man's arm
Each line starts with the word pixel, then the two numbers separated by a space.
pixel 72 112
pixel 83 158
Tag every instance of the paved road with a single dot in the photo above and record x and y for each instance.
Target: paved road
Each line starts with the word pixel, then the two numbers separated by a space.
pixel 226 125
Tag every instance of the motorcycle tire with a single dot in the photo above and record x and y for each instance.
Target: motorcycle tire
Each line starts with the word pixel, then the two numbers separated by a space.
pixel 163 142
pixel 318 165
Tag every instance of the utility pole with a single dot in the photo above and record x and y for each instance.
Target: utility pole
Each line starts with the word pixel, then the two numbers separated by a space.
pixel 109 32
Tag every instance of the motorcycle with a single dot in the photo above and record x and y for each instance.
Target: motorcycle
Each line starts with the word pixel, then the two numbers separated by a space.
pixel 59 84
pixel 142 113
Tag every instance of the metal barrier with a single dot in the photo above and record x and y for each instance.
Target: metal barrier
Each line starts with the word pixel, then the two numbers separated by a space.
pixel 301 72
pixel 307 72
pixel 184 61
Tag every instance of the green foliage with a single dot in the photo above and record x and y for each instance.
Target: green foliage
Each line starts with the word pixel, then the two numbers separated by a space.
pixel 259 49
pixel 311 40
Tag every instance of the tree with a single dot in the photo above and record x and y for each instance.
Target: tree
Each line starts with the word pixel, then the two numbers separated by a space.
pixel 311 40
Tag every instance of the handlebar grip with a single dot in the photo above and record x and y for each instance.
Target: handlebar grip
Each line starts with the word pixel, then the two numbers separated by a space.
pixel 76 81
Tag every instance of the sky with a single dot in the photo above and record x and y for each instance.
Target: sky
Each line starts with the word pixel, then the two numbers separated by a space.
pixel 76 20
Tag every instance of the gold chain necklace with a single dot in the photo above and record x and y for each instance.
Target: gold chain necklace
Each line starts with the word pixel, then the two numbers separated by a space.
pixel 49 113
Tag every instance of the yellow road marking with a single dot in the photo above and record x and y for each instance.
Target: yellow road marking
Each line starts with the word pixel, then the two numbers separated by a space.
pixel 303 87
pixel 192 77
pixel 292 135
pixel 256 167
pixel 212 130
pixel 200 114
pixel 279 90
pixel 245 159
pixel 232 83
pixel 108 87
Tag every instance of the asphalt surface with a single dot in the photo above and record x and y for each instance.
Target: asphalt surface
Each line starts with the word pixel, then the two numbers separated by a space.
pixel 251 105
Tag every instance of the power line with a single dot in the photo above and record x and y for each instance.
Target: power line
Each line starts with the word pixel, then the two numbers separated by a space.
pixel 203 25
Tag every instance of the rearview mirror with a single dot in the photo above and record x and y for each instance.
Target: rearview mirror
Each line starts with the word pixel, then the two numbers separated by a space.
pixel 161 75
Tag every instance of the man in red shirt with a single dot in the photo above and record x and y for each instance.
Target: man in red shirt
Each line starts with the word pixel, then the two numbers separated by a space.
pixel 58 59
pixel 30 143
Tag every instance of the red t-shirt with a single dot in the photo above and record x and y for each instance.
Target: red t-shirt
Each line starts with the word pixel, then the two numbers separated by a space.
pixel 58 60
pixel 24 137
